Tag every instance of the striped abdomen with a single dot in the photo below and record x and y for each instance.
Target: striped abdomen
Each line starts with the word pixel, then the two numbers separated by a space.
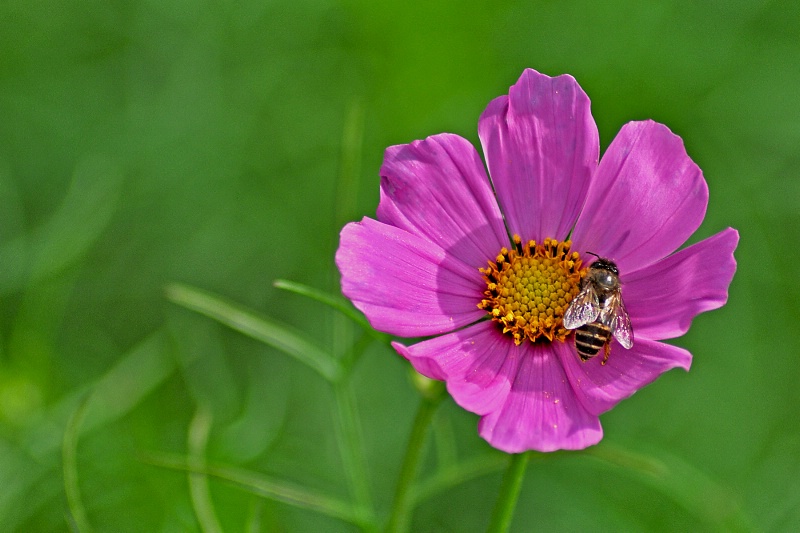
pixel 591 338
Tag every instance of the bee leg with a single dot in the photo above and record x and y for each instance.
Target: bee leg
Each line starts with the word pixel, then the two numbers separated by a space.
pixel 607 350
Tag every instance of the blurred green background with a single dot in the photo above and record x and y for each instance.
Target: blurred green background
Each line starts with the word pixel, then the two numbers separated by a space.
pixel 223 145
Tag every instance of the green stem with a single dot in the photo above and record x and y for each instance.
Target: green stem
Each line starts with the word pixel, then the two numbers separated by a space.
pixel 503 512
pixel 401 507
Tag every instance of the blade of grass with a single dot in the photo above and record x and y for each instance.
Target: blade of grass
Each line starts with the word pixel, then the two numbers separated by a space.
pixel 69 451
pixel 266 487
pixel 336 302
pixel 199 430
pixel 249 323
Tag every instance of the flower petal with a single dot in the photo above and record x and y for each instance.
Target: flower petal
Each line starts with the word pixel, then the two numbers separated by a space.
pixel 541 147
pixel 541 411
pixel 645 200
pixel 475 362
pixel 521 391
pixel 438 189
pixel 600 387
pixel 663 298
pixel 404 284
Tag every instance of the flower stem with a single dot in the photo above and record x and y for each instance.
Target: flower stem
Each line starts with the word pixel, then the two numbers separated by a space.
pixel 398 520
pixel 503 512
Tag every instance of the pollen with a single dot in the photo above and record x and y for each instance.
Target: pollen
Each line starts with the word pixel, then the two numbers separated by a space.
pixel 529 288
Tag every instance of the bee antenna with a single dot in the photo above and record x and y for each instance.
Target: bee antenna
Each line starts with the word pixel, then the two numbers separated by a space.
pixel 594 254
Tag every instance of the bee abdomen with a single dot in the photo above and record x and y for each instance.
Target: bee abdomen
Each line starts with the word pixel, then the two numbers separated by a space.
pixel 590 338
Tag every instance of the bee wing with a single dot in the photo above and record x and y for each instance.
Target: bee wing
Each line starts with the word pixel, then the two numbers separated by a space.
pixel 583 309
pixel 621 322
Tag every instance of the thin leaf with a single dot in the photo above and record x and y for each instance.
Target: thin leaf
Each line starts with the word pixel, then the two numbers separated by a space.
pixel 444 441
pixel 351 447
pixel 253 522
pixel 267 487
pixel 336 302
pixel 685 484
pixel 204 364
pixel 262 329
pixel 403 504
pixel 115 394
pixel 454 475
pixel 199 430
pixel 69 232
pixel 70 467
pixel 141 370
pixel 27 484
pixel 350 167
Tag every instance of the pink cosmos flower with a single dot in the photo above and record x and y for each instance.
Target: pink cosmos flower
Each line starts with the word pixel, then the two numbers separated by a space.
pixel 440 262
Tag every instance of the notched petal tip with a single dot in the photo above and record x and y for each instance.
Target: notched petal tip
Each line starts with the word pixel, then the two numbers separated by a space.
pixel 663 298
pixel 437 188
pixel 542 420
pixel 646 198
pixel 521 392
pixel 600 387
pixel 541 146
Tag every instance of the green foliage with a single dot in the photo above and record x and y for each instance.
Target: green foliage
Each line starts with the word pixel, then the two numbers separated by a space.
pixel 209 148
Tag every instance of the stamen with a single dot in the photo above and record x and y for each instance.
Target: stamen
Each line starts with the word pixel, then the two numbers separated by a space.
pixel 529 288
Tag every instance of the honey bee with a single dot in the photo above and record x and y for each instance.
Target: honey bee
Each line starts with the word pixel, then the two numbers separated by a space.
pixel 597 312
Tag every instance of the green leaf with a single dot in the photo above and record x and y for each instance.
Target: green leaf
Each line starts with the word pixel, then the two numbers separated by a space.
pixel 70 231
pixel 454 475
pixel 351 447
pixel 267 487
pixel 27 484
pixel 204 363
pixel 278 336
pixel 70 467
pixel 27 472
pixel 199 430
pixel 684 483
pixel 115 394
pixel 336 302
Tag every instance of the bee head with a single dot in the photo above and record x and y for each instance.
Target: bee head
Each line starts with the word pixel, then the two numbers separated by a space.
pixel 604 264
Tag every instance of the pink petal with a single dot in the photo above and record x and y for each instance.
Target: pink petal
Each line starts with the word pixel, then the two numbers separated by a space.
pixel 521 391
pixel 645 200
pixel 438 189
pixel 474 361
pixel 541 147
pixel 601 387
pixel 541 411
pixel 404 284
pixel 664 297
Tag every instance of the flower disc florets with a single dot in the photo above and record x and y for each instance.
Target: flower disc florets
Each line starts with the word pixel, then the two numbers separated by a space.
pixel 529 288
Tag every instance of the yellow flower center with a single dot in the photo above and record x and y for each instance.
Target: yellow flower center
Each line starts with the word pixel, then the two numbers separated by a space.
pixel 529 288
